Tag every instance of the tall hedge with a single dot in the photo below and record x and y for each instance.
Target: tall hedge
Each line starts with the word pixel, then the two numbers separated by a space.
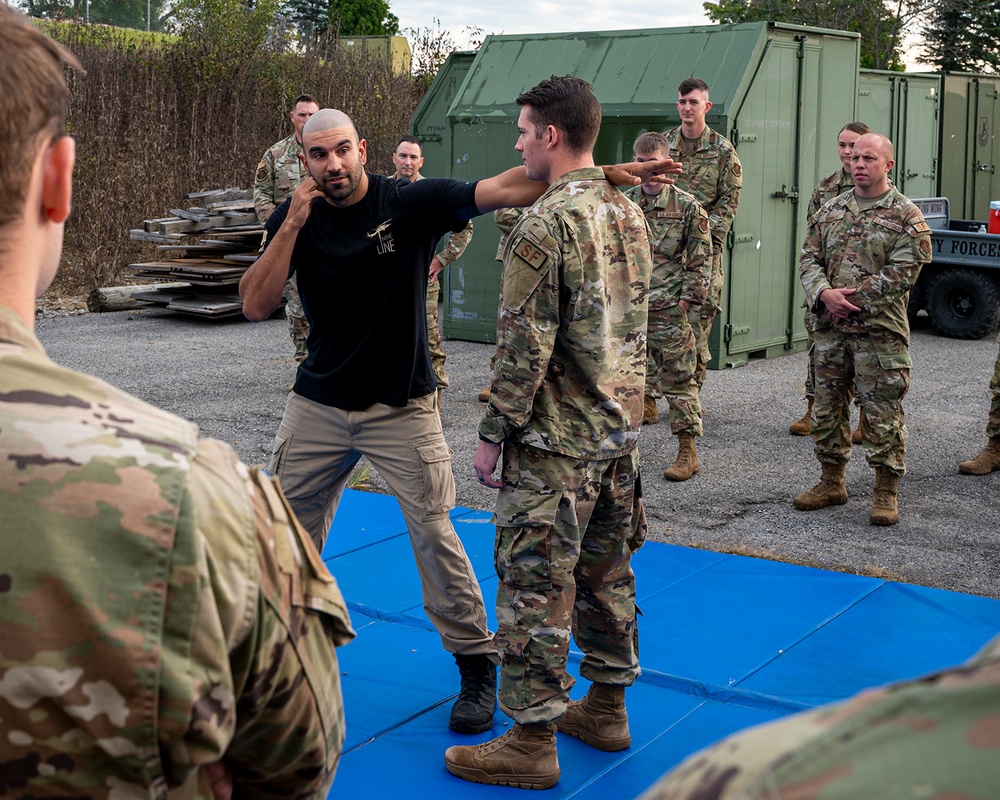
pixel 155 120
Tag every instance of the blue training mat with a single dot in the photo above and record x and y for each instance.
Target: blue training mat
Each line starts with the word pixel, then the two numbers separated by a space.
pixel 725 642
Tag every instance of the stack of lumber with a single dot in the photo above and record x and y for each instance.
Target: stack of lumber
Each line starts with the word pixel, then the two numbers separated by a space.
pixel 203 252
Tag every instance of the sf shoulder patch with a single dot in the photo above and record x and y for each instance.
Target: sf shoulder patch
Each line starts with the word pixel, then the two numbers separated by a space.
pixel 531 255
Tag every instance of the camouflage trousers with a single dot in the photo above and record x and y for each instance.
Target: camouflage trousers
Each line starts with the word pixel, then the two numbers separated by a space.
pixel 298 327
pixel 993 426
pixel 875 366
pixel 566 530
pixel 670 367
pixel 810 322
pixel 434 333
pixel 920 738
pixel 701 319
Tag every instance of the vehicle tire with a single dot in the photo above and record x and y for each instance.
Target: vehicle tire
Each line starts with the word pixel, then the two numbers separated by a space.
pixel 963 304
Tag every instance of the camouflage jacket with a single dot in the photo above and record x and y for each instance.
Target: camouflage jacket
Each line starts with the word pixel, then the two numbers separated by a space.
pixel 828 188
pixel 682 246
pixel 278 174
pixel 159 608
pixel 933 737
pixel 506 219
pixel 571 337
pixel 714 175
pixel 878 251
pixel 457 241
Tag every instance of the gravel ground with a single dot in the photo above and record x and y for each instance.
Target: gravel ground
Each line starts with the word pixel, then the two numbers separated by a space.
pixel 231 377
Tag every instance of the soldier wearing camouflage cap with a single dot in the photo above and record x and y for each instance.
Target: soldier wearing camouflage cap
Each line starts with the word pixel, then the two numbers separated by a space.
pixel 164 621
pixel 565 410
pixel 713 174
pixel 934 737
pixel 280 170
pixel 861 257
pixel 682 274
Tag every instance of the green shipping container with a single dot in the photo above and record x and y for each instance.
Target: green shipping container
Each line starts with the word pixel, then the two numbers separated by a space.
pixel 970 147
pixel 906 108
pixel 766 83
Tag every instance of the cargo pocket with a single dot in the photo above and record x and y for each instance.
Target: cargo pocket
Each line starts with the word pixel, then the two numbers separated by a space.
pixel 437 484
pixel 524 521
pixel 893 380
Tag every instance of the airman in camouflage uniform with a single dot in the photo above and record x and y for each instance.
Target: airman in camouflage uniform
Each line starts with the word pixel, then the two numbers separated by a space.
pixel 828 188
pixel 714 175
pixel 451 252
pixel 682 271
pixel 278 173
pixel 989 459
pixel 164 620
pixel 566 407
pixel 863 253
pixel 931 737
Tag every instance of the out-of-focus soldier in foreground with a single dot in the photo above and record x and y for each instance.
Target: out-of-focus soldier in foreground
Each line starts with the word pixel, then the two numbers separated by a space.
pixel 932 737
pixel 164 622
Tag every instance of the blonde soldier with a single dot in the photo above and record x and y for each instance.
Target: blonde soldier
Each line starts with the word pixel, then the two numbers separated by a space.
pixel 164 620
pixel 565 410
pixel 831 186
pixel 712 173
pixel 278 173
pixel 408 159
pixel 682 271
pixel 861 257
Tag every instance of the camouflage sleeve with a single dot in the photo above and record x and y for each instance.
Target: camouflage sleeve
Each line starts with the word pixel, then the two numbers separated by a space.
pixel 910 251
pixel 727 198
pixel 506 219
pixel 815 202
pixel 262 635
pixel 457 243
pixel 697 256
pixel 263 188
pixel 526 329
pixel 812 266
pixel 923 738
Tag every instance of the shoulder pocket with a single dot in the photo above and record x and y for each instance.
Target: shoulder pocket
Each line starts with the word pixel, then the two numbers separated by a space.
pixel 531 255
pixel 895 361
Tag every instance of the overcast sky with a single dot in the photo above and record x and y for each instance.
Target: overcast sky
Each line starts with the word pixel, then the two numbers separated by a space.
pixel 542 16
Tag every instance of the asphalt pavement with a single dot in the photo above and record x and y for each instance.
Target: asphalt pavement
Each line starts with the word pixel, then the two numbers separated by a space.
pixel 232 378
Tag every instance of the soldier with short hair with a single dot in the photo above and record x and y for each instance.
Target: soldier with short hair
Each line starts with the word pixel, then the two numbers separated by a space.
pixel 861 257
pixel 164 620
pixel 565 411
pixel 682 272
pixel 408 159
pixel 280 170
pixel 713 174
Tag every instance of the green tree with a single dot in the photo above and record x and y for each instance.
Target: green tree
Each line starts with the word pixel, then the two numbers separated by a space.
pixel 318 18
pixel 963 35
pixel 121 13
pixel 881 23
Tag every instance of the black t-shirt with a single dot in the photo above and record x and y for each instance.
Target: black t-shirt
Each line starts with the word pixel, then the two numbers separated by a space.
pixel 362 276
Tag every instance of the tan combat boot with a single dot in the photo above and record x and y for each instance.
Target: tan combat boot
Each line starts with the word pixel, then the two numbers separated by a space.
pixel 801 428
pixel 650 416
pixel 986 462
pixel 599 719
pixel 885 506
pixel 525 757
pixel 484 395
pixel 830 491
pixel 686 464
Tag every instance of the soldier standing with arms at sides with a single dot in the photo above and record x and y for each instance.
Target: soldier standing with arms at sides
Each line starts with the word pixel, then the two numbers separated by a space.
pixel 861 257
pixel 713 174
pixel 408 159
pixel 164 621
pixel 989 459
pixel 828 188
pixel 682 271
pixel 565 411
pixel 278 173
pixel 343 231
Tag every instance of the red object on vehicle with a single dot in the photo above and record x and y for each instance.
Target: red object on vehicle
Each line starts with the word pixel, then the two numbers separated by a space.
pixel 994 224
